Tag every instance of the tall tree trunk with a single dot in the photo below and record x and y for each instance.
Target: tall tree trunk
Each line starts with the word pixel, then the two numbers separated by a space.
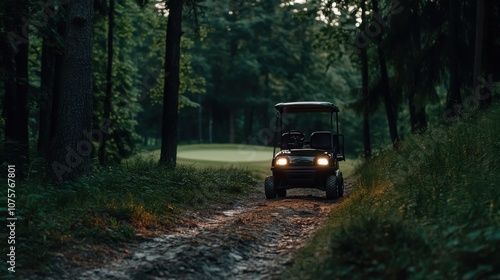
pixel 168 154
pixel 103 160
pixel 200 120
pixel 478 52
pixel 211 127
pixel 15 49
pixel 10 86
pixel 231 125
pixel 392 118
pixel 390 109
pixel 61 29
pixel 249 122
pixel 22 85
pixel 367 148
pixel 47 87
pixel 72 147
pixel 418 118
pixel 416 102
pixel 454 98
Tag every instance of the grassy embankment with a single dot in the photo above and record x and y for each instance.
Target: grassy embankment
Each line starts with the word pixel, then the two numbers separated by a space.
pixel 113 205
pixel 430 210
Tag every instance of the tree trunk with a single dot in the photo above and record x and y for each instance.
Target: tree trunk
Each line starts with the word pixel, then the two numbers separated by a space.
pixel 418 118
pixel 386 89
pixel 103 160
pixel 72 145
pixel 231 126
pixel 249 122
pixel 61 28
pixel 454 98
pixel 200 120
pixel 15 49
pixel 363 56
pixel 10 85
pixel 416 102
pixel 171 90
pixel 47 87
pixel 478 53
pixel 22 86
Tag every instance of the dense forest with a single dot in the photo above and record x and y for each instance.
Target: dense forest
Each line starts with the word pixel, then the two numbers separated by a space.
pixel 89 83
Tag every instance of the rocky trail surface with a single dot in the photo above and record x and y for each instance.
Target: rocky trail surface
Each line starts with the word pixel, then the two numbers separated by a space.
pixel 253 238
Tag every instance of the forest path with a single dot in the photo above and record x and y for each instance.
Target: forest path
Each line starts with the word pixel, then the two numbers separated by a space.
pixel 255 238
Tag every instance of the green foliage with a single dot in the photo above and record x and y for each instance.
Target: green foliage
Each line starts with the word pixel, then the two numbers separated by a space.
pixel 114 203
pixel 254 54
pixel 428 210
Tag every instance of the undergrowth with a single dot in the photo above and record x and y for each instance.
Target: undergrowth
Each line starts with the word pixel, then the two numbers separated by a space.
pixel 114 204
pixel 430 210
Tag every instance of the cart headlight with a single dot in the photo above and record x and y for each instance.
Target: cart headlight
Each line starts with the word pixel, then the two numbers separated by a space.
pixel 282 161
pixel 323 161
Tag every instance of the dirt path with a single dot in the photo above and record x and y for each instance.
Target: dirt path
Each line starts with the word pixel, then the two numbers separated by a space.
pixel 255 239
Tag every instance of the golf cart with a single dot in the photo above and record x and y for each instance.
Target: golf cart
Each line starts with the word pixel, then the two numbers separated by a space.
pixel 306 160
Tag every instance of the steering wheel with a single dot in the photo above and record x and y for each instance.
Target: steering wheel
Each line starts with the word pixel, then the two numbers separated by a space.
pixel 297 137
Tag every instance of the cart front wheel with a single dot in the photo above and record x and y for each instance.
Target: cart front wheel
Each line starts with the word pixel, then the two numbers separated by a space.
pixel 332 188
pixel 269 187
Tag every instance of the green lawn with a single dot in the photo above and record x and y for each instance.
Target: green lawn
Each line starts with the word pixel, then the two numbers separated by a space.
pixel 257 159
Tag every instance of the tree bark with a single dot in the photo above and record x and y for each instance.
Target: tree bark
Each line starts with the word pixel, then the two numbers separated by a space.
pixel 10 85
pixel 418 118
pixel 478 53
pixel 416 102
pixel 200 120
pixel 22 86
pixel 103 160
pixel 231 126
pixel 367 148
pixel 454 98
pixel 47 87
pixel 15 52
pixel 168 154
pixel 249 122
pixel 386 89
pixel 72 144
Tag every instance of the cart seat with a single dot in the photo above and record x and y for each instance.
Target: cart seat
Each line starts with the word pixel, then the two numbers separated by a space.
pixel 324 140
pixel 288 143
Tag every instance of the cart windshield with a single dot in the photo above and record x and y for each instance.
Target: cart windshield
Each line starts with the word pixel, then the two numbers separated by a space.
pixel 307 123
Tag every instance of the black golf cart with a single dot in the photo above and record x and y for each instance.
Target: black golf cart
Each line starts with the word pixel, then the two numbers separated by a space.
pixel 306 160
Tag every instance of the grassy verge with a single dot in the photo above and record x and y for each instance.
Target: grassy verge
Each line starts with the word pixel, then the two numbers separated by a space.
pixel 113 205
pixel 430 210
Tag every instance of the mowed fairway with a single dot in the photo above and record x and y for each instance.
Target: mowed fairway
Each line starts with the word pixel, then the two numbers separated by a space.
pixel 254 158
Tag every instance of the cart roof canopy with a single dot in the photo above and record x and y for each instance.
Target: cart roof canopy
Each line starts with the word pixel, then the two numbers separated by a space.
pixel 306 106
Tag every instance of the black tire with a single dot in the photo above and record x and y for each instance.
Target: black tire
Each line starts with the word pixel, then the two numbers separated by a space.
pixel 269 187
pixel 332 188
pixel 281 192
